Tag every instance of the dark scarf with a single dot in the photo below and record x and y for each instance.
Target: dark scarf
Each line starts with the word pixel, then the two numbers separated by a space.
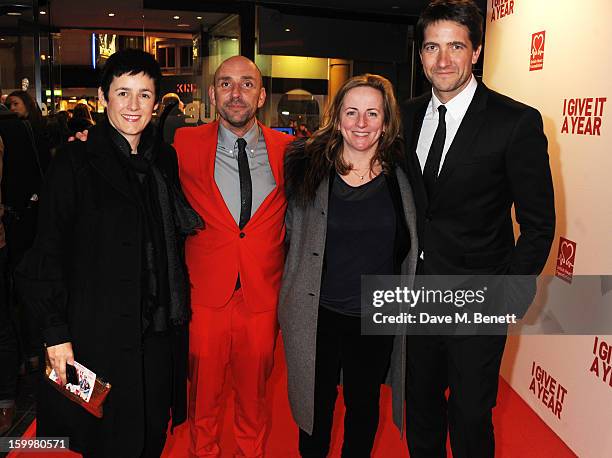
pixel 168 218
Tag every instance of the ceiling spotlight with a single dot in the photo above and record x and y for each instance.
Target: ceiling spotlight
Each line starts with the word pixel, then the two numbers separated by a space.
pixel 287 30
pixel 182 25
pixel 234 39
pixel 13 13
pixel 176 17
pixel 199 18
pixel 111 14
pixel 43 12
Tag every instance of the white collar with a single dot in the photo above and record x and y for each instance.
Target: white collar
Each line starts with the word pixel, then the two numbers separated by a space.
pixel 458 105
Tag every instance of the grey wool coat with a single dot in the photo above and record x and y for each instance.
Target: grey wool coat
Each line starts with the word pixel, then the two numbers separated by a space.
pixel 299 301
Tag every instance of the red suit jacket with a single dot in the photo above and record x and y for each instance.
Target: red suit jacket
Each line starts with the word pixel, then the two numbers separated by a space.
pixel 218 253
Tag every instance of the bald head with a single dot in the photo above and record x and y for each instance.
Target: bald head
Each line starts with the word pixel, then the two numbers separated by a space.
pixel 235 66
pixel 237 92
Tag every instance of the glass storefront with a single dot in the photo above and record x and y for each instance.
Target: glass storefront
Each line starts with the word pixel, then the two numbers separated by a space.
pixel 303 57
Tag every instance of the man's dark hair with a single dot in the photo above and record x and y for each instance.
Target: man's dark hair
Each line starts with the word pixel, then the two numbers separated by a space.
pixel 464 12
pixel 130 62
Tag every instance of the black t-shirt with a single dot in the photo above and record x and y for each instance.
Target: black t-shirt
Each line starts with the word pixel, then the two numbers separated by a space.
pixel 361 227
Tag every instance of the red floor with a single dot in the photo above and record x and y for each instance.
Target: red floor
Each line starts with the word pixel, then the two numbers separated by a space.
pixel 519 431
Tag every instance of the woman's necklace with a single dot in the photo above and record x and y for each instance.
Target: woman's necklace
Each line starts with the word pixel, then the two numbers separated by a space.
pixel 369 173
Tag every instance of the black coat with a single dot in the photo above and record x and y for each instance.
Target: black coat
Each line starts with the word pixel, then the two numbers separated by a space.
pixel 82 280
pixel 498 159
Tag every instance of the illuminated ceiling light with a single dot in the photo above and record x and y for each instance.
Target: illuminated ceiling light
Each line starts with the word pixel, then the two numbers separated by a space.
pixel 111 14
pixel 286 113
pixel 43 57
pixel 287 30
pixel 176 17
pixel 234 39
pixel 182 25
pixel 13 13
pixel 199 18
pixel 43 12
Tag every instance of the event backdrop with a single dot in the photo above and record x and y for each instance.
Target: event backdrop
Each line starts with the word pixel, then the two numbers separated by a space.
pixel 556 56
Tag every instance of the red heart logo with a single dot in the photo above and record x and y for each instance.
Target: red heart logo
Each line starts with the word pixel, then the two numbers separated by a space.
pixel 538 43
pixel 567 253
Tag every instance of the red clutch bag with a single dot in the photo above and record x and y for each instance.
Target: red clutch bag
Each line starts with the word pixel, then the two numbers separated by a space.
pixel 90 392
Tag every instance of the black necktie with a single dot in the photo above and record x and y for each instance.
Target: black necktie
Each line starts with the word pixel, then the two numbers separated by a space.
pixel 432 164
pixel 246 189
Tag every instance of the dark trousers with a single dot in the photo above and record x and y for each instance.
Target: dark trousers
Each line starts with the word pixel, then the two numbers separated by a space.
pixel 469 367
pixel 9 358
pixel 364 361
pixel 158 393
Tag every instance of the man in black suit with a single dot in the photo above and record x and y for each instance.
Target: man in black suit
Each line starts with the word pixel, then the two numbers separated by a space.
pixel 472 154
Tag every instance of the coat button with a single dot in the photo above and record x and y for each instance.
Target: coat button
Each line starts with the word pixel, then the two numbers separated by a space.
pixel 242 235
pixel 315 254
pixel 311 294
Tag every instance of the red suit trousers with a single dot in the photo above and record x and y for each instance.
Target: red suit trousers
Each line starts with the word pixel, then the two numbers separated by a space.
pixel 235 338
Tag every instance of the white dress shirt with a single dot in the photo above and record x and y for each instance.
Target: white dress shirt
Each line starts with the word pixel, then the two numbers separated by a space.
pixel 455 111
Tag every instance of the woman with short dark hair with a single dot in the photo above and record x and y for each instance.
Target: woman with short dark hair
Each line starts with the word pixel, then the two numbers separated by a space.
pixel 106 277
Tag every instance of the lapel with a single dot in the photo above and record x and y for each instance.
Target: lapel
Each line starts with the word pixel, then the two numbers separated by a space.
pixel 407 198
pixel 413 126
pixel 470 126
pixel 275 158
pixel 208 147
pixel 322 196
pixel 103 159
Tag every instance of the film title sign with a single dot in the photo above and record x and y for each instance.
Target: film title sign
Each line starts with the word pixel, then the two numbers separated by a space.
pixel 583 116
pixel 565 260
pixel 547 389
pixel 536 62
pixel 501 8
pixel 602 363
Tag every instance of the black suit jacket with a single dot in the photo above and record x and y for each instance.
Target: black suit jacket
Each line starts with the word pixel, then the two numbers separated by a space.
pixel 498 158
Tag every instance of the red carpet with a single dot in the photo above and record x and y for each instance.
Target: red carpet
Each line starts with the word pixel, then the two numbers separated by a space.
pixel 519 431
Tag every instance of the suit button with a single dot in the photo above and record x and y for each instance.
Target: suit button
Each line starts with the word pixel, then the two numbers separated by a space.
pixel 311 294
pixel 242 235
pixel 315 254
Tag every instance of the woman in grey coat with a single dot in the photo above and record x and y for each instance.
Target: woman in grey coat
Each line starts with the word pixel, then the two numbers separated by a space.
pixel 350 213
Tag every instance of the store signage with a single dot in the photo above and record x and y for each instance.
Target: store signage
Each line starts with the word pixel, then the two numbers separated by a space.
pixel 186 88
pixel 103 45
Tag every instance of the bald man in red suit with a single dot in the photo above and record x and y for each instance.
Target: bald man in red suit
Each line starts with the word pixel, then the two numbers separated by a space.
pixel 232 173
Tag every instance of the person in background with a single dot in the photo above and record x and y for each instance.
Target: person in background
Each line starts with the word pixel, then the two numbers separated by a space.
pixel 25 169
pixel 26 108
pixel 302 131
pixel 106 278
pixel 9 356
pixel 472 155
pixel 350 213
pixel 232 173
pixel 175 118
pixel 81 119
